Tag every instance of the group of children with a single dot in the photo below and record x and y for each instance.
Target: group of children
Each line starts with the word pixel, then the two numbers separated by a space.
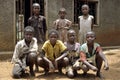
pixel 61 49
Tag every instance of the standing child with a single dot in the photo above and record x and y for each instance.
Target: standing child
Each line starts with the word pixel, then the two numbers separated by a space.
pixel 25 53
pixel 91 55
pixel 53 54
pixel 73 55
pixel 85 23
pixel 62 24
pixel 38 22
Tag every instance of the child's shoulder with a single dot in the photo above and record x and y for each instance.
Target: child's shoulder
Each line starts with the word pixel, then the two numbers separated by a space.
pixel 91 16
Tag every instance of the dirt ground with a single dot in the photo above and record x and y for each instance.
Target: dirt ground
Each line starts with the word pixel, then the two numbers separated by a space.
pixel 113 56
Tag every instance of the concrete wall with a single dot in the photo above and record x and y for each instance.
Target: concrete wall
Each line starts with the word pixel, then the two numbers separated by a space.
pixel 108 32
pixel 7 22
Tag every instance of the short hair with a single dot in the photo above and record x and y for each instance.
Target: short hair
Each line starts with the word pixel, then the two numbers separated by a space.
pixel 29 29
pixel 85 5
pixel 36 4
pixel 53 31
pixel 62 10
pixel 71 30
pixel 91 32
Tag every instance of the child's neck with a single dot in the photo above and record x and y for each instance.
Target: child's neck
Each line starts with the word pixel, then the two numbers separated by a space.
pixel 90 45
pixel 71 42
pixel 27 43
pixel 36 15
pixel 85 16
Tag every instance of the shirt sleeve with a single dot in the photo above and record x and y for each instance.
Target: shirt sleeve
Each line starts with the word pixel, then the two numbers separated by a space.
pixel 16 54
pixel 62 47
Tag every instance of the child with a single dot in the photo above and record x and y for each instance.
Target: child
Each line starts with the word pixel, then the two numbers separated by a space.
pixel 73 48
pixel 62 25
pixel 25 53
pixel 85 23
pixel 91 55
pixel 53 54
pixel 38 22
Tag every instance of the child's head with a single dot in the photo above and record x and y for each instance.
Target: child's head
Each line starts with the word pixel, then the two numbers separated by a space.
pixel 28 33
pixel 90 37
pixel 62 13
pixel 53 36
pixel 71 35
pixel 85 9
pixel 36 9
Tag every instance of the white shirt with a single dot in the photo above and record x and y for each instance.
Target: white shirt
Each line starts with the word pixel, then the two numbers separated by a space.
pixel 21 47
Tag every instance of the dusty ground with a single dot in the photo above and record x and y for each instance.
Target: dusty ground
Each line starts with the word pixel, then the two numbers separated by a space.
pixel 112 55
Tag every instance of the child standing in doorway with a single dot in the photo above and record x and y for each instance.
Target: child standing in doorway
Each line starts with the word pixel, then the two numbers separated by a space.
pixel 38 22
pixel 85 23
pixel 62 24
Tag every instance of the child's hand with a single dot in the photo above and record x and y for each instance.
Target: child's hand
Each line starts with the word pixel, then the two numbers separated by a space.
pixel 106 67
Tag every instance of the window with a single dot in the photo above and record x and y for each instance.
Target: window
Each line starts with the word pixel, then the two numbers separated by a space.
pixel 94 10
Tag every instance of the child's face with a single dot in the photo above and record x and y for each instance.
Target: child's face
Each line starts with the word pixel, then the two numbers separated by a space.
pixel 71 36
pixel 85 10
pixel 28 36
pixel 53 38
pixel 90 37
pixel 62 14
pixel 36 10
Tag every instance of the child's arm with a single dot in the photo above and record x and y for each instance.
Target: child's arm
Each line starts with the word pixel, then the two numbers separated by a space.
pixel 79 23
pixel 92 24
pixel 83 59
pixel 51 67
pixel 64 53
pixel 106 67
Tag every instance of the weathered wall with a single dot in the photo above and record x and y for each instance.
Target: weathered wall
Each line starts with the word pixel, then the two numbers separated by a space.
pixel 7 28
pixel 109 28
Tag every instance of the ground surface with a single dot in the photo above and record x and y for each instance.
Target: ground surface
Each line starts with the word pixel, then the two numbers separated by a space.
pixel 112 55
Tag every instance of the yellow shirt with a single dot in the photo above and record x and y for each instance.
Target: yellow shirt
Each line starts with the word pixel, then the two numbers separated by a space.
pixel 53 52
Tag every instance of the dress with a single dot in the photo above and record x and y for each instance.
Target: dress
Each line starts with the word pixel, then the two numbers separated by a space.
pixel 62 25
pixel 85 26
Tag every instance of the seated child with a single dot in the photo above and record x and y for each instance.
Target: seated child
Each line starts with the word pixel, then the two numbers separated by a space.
pixel 53 54
pixel 25 54
pixel 91 55
pixel 73 55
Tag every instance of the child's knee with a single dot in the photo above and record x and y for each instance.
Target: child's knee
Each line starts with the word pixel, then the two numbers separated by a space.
pixel 85 68
pixel 66 60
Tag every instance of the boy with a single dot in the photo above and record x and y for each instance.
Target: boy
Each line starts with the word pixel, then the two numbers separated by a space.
pixel 53 54
pixel 85 23
pixel 38 22
pixel 91 55
pixel 62 24
pixel 25 54
pixel 73 55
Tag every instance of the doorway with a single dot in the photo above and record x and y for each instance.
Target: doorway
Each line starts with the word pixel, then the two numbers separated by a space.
pixel 23 12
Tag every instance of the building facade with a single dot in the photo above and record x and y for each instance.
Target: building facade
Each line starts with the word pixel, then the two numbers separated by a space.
pixel 106 13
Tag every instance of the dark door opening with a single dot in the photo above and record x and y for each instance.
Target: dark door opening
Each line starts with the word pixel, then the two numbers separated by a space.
pixel 23 12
